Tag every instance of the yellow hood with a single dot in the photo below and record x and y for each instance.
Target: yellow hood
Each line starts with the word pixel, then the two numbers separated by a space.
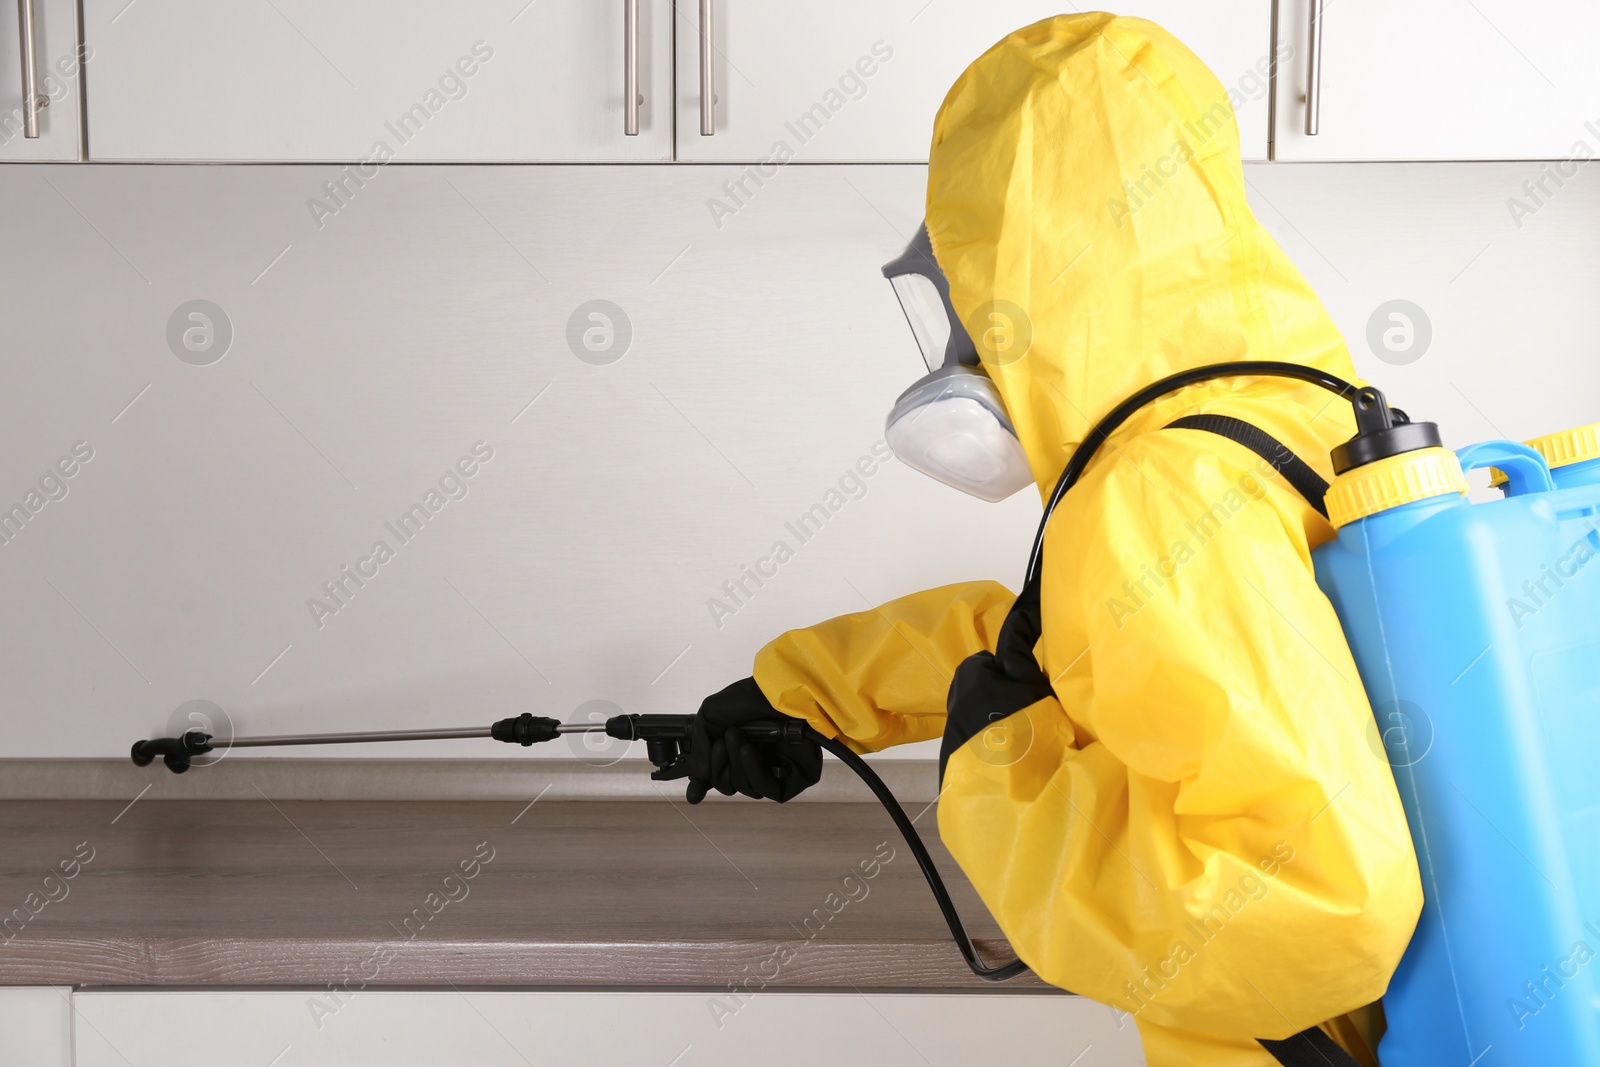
pixel 1084 186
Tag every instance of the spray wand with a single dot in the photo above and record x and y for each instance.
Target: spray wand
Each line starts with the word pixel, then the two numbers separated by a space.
pixel 667 742
pixel 667 737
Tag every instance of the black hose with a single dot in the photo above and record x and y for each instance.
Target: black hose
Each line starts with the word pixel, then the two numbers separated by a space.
pixel 969 951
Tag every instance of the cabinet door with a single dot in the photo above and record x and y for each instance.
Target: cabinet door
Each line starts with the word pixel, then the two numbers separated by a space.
pixel 57 61
pixel 395 1028
pixel 413 80
pixel 771 64
pixel 1441 79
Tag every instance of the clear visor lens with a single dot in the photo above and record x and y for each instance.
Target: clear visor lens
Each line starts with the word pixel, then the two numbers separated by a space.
pixel 925 313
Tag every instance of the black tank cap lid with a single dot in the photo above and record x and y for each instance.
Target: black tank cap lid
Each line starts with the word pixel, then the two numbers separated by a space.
pixel 1381 432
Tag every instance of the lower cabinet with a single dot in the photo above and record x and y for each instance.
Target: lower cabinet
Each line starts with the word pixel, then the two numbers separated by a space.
pixel 312 1028
pixel 36 1026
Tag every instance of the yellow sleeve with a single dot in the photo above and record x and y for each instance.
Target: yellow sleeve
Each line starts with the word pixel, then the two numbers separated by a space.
pixel 879 678
pixel 1197 828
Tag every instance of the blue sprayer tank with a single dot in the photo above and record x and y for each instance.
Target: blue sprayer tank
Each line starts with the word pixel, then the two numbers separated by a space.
pixel 1476 629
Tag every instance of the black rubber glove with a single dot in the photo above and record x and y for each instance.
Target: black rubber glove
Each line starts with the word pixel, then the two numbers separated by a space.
pixel 723 758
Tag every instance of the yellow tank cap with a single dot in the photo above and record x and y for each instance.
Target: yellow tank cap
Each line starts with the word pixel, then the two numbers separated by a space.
pixel 1561 449
pixel 1395 480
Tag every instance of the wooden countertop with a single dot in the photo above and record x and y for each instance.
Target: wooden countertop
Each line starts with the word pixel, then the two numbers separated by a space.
pixel 561 894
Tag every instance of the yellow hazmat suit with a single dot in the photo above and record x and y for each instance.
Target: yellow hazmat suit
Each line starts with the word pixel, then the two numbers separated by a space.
pixel 1199 827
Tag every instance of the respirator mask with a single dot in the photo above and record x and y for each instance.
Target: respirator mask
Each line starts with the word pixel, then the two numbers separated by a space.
pixel 951 424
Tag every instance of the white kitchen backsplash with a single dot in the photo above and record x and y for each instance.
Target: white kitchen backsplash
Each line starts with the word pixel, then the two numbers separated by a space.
pixel 571 439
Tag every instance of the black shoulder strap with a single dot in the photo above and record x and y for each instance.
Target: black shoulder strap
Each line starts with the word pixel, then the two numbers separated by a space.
pixel 1297 471
pixel 1311 1047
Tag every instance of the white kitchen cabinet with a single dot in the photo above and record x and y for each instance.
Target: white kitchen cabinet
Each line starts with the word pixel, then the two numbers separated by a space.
pixel 772 64
pixel 1442 79
pixel 393 1028
pixel 57 77
pixel 36 1026
pixel 411 80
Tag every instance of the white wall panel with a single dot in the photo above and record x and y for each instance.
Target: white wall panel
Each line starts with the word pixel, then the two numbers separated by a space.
pixel 369 354
pixel 367 357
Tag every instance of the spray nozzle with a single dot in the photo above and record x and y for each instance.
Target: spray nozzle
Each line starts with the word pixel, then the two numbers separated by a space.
pixel 175 752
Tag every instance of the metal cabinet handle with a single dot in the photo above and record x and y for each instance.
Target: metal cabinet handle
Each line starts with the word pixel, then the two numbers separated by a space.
pixel 1314 72
pixel 32 99
pixel 630 68
pixel 708 89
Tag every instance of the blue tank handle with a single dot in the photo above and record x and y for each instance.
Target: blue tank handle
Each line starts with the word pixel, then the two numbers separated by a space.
pixel 1525 470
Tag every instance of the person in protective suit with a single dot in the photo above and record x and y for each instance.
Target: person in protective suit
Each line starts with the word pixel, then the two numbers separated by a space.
pixel 1158 767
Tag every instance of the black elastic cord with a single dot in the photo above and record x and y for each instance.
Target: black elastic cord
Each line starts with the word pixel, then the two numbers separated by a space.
pixel 958 931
